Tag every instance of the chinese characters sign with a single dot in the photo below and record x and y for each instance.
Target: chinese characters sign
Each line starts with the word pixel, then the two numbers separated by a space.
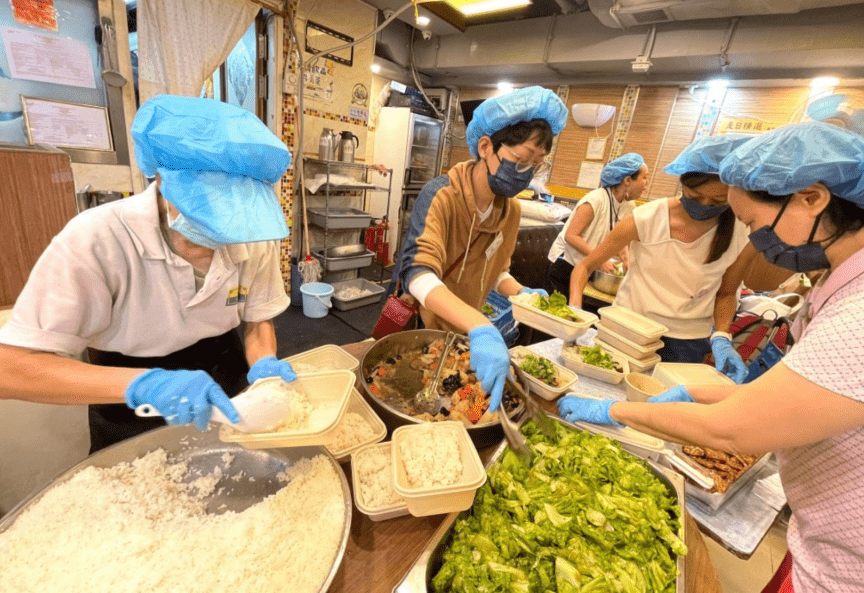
pixel 744 125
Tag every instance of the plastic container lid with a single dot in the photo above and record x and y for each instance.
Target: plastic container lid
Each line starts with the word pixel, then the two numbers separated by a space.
pixel 328 393
pixel 632 325
pixel 375 513
pixel 636 365
pixel 545 391
pixel 625 345
pixel 439 499
pixel 358 405
pixel 686 373
pixel 326 358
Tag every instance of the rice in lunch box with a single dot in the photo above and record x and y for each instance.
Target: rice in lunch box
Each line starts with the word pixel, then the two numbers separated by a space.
pixel 298 404
pixel 352 430
pixel 137 527
pixel 376 478
pixel 431 457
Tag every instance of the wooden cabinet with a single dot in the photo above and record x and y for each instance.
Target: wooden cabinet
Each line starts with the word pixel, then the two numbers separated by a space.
pixel 37 199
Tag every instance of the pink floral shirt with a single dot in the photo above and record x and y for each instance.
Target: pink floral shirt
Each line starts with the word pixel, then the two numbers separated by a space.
pixel 824 481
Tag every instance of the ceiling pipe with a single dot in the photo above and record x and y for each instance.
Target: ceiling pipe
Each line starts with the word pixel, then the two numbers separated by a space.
pixel 727 41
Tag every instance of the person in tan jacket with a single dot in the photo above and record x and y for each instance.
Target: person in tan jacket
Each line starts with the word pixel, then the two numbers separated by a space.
pixel 464 225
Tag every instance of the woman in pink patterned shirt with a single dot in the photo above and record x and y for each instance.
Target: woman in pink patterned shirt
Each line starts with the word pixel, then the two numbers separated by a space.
pixel 800 189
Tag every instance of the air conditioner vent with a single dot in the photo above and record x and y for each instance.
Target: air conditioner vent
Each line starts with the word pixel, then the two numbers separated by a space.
pixel 649 16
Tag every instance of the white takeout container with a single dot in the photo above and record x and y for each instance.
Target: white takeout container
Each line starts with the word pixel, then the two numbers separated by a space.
pixel 358 405
pixel 714 500
pixel 326 358
pixel 575 363
pixel 547 392
pixel 640 387
pixel 441 499
pixel 631 325
pixel 688 373
pixel 556 326
pixel 375 513
pixel 328 393
pixel 628 347
pixel 636 365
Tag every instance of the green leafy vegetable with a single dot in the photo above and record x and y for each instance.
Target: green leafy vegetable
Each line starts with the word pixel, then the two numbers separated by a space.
pixel 557 306
pixel 487 309
pixel 598 357
pixel 540 368
pixel 583 517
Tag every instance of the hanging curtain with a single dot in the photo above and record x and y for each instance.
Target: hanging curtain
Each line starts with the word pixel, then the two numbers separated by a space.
pixel 181 42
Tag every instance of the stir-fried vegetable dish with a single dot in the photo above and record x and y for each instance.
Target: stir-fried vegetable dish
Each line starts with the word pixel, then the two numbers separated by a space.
pixel 583 517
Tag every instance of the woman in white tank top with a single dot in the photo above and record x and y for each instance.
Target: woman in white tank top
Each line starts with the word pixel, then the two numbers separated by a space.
pixel 687 255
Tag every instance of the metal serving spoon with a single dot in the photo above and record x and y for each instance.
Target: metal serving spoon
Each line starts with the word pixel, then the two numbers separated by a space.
pixel 427 399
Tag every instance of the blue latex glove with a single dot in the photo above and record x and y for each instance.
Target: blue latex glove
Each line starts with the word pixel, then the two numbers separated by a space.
pixel 181 397
pixel 539 291
pixel 573 408
pixel 725 357
pixel 270 366
pixel 490 360
pixel 678 393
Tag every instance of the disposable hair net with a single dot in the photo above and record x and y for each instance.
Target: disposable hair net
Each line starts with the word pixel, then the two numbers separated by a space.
pixel 616 170
pixel 841 110
pixel 226 208
pixel 526 104
pixel 192 134
pixel 788 159
pixel 705 154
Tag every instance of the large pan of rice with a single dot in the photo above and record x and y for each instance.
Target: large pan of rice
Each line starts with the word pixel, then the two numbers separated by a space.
pixel 178 510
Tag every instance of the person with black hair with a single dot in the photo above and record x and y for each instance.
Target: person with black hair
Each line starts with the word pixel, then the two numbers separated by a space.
pixel 686 260
pixel 464 225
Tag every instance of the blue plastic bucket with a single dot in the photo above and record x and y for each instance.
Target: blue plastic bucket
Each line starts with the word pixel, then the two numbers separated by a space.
pixel 316 298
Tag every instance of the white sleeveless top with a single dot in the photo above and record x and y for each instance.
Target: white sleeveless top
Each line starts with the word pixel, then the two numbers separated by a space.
pixel 605 218
pixel 668 280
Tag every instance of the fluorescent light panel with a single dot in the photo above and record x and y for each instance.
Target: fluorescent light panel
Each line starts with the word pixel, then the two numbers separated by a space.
pixel 474 7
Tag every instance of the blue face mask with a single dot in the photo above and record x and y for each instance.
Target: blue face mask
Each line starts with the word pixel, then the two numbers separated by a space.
pixel 507 181
pixel 698 211
pixel 800 258
pixel 182 225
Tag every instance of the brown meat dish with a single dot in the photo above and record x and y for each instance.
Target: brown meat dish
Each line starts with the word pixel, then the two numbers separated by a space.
pixel 724 467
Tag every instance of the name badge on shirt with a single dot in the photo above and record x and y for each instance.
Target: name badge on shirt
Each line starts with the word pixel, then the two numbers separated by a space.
pixel 236 295
pixel 490 251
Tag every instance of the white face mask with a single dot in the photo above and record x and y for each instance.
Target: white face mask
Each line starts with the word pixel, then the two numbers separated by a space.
pixel 182 225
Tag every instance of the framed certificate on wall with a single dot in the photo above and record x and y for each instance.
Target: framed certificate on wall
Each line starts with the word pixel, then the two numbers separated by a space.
pixel 67 125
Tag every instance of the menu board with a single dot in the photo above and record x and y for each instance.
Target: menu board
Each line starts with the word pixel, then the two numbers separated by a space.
pixel 67 125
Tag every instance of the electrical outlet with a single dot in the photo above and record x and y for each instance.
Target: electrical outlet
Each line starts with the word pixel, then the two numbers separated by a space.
pixel 289 83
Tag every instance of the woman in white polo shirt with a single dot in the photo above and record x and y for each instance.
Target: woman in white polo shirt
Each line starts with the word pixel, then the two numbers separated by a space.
pixel 596 214
pixel 161 280
pixel 800 190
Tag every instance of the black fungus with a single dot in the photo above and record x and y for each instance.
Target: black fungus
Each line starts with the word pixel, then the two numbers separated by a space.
pixel 425 349
pixel 445 411
pixel 369 379
pixel 390 360
pixel 452 383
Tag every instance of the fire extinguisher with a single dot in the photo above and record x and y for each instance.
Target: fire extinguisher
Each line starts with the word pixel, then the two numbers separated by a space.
pixel 376 240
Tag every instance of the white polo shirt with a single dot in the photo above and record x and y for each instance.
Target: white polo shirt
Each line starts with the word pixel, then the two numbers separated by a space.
pixel 109 281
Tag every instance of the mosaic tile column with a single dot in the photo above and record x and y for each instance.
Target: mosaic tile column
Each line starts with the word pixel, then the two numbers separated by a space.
pixel 289 137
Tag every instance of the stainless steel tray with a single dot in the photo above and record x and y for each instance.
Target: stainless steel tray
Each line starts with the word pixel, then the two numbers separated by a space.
pixel 203 451
pixel 339 218
pixel 430 559
pixel 361 283
pixel 346 250
pixel 335 264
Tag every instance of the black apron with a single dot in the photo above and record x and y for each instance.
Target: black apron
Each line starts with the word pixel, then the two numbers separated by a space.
pixel 223 357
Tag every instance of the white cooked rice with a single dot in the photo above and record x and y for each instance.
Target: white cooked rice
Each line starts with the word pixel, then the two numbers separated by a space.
pixel 373 467
pixel 136 527
pixel 431 457
pixel 351 431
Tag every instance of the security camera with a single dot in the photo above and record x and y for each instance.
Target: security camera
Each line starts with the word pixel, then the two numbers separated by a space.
pixel 427 35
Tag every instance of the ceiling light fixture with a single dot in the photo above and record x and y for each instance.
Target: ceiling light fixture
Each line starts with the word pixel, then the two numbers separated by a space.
pixel 375 68
pixel 423 21
pixel 475 7
pixel 718 83
pixel 505 87
pixel 824 82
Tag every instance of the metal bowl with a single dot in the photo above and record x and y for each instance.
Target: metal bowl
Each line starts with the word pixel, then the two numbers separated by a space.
pixel 483 436
pixel 607 283
pixel 203 451
pixel 347 250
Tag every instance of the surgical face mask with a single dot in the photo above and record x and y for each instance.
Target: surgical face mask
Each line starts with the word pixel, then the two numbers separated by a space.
pixel 507 180
pixel 800 258
pixel 698 211
pixel 182 225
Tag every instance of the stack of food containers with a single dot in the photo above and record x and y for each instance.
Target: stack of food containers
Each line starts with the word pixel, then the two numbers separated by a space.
pixel 631 335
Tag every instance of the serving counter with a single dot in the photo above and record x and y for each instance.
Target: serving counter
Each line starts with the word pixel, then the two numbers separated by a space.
pixel 379 554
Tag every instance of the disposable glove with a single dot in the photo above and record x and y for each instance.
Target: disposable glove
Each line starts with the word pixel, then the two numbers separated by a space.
pixel 678 393
pixel 490 360
pixel 725 357
pixel 539 291
pixel 181 397
pixel 270 366
pixel 573 408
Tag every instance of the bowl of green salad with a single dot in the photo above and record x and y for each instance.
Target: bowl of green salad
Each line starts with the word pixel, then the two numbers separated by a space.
pixel 552 315
pixel 595 362
pixel 546 378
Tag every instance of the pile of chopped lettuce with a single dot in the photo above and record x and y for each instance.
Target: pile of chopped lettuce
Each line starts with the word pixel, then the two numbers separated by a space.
pixel 598 357
pixel 555 305
pixel 540 368
pixel 583 517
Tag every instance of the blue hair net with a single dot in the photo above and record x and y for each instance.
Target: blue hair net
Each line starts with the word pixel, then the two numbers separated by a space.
pixel 616 170
pixel 534 102
pixel 227 208
pixel 192 134
pixel 788 159
pixel 705 154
